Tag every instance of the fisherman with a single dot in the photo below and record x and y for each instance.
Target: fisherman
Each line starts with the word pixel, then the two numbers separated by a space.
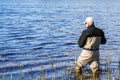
pixel 90 40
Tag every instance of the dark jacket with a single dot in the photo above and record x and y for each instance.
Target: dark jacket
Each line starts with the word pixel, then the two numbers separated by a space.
pixel 91 32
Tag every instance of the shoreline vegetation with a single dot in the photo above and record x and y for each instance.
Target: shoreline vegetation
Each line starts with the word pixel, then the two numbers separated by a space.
pixel 68 72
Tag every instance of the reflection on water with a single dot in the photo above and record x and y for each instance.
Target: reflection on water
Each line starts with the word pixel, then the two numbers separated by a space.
pixel 40 37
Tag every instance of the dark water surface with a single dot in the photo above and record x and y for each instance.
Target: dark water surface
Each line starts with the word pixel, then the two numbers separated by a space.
pixel 39 37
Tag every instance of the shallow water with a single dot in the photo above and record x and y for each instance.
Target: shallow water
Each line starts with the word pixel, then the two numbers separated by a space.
pixel 41 36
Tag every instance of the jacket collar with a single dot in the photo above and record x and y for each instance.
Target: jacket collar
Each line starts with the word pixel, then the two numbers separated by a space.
pixel 92 26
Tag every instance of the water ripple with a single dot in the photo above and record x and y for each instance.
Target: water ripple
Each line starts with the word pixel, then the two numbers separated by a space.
pixel 42 35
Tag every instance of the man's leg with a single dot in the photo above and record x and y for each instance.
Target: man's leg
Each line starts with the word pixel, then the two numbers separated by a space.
pixel 78 71
pixel 83 60
pixel 94 65
pixel 78 68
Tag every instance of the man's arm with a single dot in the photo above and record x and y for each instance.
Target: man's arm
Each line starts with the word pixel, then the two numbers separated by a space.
pixel 82 39
pixel 103 40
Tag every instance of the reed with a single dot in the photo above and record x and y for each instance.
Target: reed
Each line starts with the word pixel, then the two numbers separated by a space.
pixel 109 60
pixel 21 73
pixel 51 61
pixel 68 72
pixel 10 76
pixel 2 75
pixel 43 77
pixel 119 67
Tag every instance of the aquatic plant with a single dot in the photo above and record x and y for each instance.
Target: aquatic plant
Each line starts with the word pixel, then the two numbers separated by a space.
pixel 2 76
pixel 119 67
pixel 21 72
pixel 68 71
pixel 10 76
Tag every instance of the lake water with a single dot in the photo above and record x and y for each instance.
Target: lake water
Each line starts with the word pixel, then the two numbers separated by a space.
pixel 39 37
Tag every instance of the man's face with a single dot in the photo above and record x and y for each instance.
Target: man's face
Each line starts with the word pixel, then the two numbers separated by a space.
pixel 86 24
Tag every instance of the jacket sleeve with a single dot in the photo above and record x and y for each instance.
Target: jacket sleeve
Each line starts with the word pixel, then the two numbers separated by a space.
pixel 103 40
pixel 82 39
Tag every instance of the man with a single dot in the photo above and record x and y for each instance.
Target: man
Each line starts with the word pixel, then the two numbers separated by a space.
pixel 90 40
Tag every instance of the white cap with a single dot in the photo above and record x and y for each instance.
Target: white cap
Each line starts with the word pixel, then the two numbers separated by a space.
pixel 89 19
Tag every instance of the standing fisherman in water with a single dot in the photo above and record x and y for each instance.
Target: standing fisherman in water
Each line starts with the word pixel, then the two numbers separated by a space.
pixel 90 40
